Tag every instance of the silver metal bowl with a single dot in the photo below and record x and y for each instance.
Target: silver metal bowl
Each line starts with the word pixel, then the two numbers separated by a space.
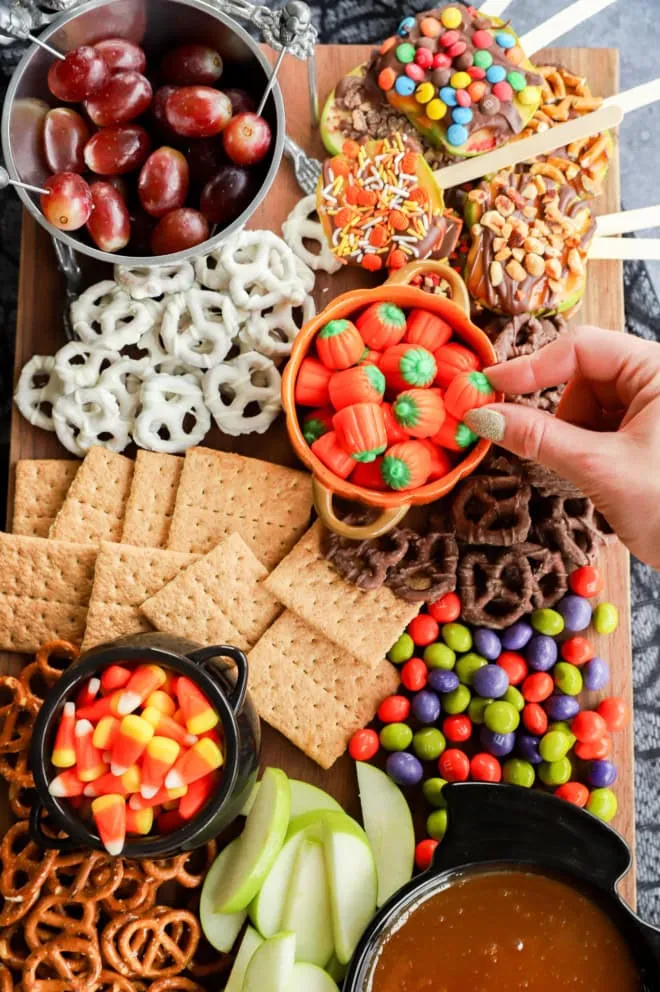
pixel 157 25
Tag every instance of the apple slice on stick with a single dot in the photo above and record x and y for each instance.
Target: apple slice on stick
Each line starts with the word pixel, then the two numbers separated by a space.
pixel 626 249
pixel 560 24
pixel 627 221
pixel 636 97
pixel 494 8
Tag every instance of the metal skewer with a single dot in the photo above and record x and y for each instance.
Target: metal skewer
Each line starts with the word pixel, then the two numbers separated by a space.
pixel 46 47
pixel 296 17
pixel 6 181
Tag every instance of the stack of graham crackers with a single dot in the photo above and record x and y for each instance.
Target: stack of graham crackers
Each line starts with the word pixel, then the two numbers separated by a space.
pixel 214 547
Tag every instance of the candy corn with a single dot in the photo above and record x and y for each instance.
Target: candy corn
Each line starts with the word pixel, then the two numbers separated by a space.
pixel 162 797
pixel 64 754
pixel 89 760
pixel 105 732
pixel 196 796
pixel 203 757
pixel 168 822
pixel 130 743
pixel 109 814
pixel 160 700
pixel 66 785
pixel 160 755
pixel 167 726
pixel 139 821
pixel 88 693
pixel 122 785
pixel 197 710
pixel 101 707
pixel 144 680
pixel 114 677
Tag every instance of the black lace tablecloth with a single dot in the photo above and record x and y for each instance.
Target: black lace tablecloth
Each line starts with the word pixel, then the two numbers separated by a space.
pixel 360 21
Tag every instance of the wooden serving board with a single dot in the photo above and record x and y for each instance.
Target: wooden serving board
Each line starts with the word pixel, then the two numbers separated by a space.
pixel 39 331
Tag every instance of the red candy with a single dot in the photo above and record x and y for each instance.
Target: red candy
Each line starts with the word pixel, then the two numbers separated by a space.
pixel 364 745
pixel 537 687
pixel 482 39
pixel 424 853
pixel 446 609
pixel 485 768
pixel 454 765
pixel 535 719
pixel 394 709
pixel 589 727
pixel 586 581
pixel 615 712
pixel 457 729
pixel 594 750
pixel 424 58
pixel 503 91
pixel 414 675
pixel 415 71
pixel 449 38
pixel 573 792
pixel 463 98
pixel 458 49
pixel 514 665
pixel 441 61
pixel 577 650
pixel 476 72
pixel 424 629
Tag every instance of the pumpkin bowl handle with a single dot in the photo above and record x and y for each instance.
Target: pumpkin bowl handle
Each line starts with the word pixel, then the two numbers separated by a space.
pixel 388 519
pixel 458 293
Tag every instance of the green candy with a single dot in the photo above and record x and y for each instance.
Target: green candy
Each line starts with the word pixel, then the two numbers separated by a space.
pixel 568 678
pixel 438 655
pixel 555 772
pixel 547 622
pixel 436 824
pixel 501 717
pixel 516 81
pixel 482 59
pixel 405 53
pixel 563 728
pixel 396 736
pixel 402 650
pixel 429 743
pixel 605 618
pixel 554 746
pixel 468 665
pixel 477 709
pixel 456 701
pixel 603 804
pixel 515 771
pixel 432 790
pixel 457 637
pixel 515 697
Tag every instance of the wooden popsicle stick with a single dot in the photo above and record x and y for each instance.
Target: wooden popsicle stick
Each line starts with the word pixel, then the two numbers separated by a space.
pixel 637 97
pixel 560 24
pixel 514 152
pixel 494 8
pixel 627 221
pixel 639 249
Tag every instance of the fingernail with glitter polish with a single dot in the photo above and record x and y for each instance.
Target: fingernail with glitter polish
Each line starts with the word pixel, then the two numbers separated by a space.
pixel 489 424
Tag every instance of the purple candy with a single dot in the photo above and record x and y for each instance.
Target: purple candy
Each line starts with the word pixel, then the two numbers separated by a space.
pixel 499 745
pixel 541 653
pixel 528 748
pixel 404 768
pixel 515 637
pixel 596 674
pixel 443 681
pixel 426 706
pixel 490 682
pixel 601 774
pixel 487 643
pixel 576 611
pixel 560 707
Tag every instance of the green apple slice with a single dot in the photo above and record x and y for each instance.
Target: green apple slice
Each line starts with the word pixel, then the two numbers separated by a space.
pixel 250 801
pixel 336 969
pixel 251 941
pixel 309 978
pixel 389 825
pixel 267 907
pixel 307 907
pixel 314 822
pixel 271 965
pixel 351 872
pixel 220 929
pixel 306 798
pixel 258 845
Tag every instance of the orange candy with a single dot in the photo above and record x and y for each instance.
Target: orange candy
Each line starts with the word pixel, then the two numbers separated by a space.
pixel 64 754
pixel 144 680
pixel 201 759
pixel 109 813
pixel 105 732
pixel 122 785
pixel 161 798
pixel 367 197
pixel 615 712
pixel 386 79
pixel 372 263
pixel 477 90
pixel 361 384
pixel 440 463
pixel 159 756
pixel 114 677
pixel 66 785
pixel 427 330
pixel 398 220
pixel 139 821
pixel 89 759
pixel 167 726
pixel 388 45
pixel 406 466
pixel 88 693
pixel 330 452
pixel 196 797
pixel 312 383
pixel 197 710
pixel 130 743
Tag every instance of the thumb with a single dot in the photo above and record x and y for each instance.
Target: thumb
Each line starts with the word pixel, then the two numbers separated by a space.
pixel 576 454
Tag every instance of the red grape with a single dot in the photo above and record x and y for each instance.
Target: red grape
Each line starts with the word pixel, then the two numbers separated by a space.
pixel 65 136
pixel 246 139
pixel 158 113
pixel 78 75
pixel 205 157
pixel 241 101
pixel 120 54
pixel 109 224
pixel 163 183
pixel 118 182
pixel 226 195
pixel 126 96
pixel 141 227
pixel 191 65
pixel 69 203
pixel 198 111
pixel 118 149
pixel 178 230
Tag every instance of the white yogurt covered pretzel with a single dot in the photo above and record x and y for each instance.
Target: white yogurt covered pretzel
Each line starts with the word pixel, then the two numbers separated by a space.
pixel 121 321
pixel 303 225
pixel 89 417
pixel 78 364
pixel 173 415
pixel 272 334
pixel 247 381
pixel 210 272
pixel 198 327
pixel 144 282
pixel 263 271
pixel 87 310
pixel 124 380
pixel 37 389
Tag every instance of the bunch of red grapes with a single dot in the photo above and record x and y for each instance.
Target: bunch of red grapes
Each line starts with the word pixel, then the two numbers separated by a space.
pixel 194 144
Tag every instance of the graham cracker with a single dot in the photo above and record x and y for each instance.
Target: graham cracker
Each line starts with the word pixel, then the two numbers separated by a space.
pixel 220 494
pixel 44 590
pixel 312 691
pixel 93 510
pixel 40 486
pixel 218 600
pixel 125 576
pixel 151 499
pixel 364 622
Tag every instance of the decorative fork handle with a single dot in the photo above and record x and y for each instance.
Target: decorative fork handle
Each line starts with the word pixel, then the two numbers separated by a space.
pixel 68 266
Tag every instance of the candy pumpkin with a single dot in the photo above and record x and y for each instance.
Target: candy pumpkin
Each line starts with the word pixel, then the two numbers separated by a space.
pixel 395 431
pixel 368 475
pixel 329 451
pixel 419 411
pixel 361 431
pixel 454 435
pixel 339 345
pixel 451 359
pixel 361 384
pixel 312 383
pixel 440 462
pixel 467 391
pixel 370 357
pixel 427 329
pixel 406 465
pixel 382 325
pixel 405 366
pixel 317 423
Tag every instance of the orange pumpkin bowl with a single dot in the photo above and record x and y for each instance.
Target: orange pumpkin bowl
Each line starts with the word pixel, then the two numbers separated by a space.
pixel 327 485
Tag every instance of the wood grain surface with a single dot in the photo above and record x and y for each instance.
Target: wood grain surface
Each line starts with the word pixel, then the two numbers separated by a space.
pixel 40 332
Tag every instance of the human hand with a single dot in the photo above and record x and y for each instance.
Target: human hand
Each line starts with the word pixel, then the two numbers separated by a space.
pixel 608 440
